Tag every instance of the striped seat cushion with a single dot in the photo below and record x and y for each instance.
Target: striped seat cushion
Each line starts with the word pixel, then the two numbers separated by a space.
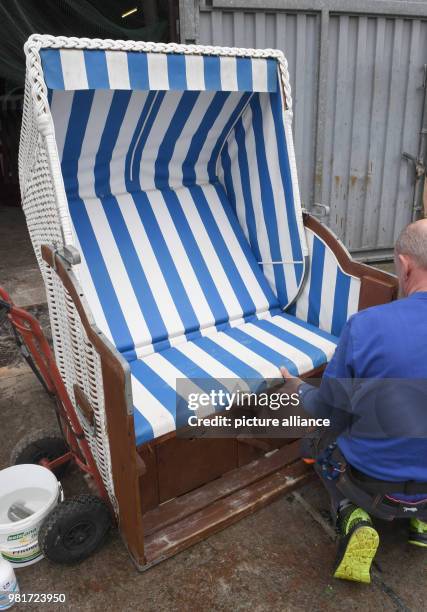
pixel 251 351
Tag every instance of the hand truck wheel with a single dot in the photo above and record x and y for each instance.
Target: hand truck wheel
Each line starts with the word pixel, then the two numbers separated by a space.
pixel 41 444
pixel 75 529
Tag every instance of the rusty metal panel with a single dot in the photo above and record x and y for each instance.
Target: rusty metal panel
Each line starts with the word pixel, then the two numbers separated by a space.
pixel 357 71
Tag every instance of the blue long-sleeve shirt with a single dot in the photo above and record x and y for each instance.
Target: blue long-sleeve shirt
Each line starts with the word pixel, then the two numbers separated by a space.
pixel 382 342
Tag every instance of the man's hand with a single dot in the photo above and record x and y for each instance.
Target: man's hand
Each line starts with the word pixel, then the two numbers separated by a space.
pixel 293 383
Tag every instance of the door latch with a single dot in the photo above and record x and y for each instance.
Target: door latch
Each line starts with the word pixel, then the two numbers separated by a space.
pixel 419 166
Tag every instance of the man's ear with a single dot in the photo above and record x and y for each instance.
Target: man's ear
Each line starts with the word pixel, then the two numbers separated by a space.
pixel 405 266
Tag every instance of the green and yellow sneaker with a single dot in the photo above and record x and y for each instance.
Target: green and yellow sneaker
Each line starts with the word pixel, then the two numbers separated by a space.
pixel 417 533
pixel 358 545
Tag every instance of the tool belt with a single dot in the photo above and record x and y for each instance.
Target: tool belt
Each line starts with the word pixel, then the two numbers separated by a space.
pixel 372 485
pixel 369 493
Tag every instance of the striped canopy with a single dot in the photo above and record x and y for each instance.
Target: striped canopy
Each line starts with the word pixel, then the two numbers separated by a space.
pixel 96 69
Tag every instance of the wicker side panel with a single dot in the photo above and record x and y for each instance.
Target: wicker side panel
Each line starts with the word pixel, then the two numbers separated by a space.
pixel 76 358
pixel 28 139
pixel 39 205
pixel 87 374
pixel 38 202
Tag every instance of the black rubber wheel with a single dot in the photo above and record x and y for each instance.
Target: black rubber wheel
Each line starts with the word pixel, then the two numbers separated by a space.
pixel 41 444
pixel 75 529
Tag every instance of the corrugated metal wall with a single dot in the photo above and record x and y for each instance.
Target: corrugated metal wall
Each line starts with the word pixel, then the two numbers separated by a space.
pixel 374 102
pixel 357 83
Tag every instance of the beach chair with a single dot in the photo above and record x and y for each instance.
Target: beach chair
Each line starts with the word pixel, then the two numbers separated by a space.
pixel 160 190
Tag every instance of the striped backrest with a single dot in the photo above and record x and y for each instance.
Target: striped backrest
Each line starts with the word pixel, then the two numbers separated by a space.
pixel 142 140
pixel 163 257
pixel 160 267
pixel 330 295
pixel 181 188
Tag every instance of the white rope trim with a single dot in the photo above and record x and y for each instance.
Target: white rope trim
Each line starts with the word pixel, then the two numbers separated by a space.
pixel 37 41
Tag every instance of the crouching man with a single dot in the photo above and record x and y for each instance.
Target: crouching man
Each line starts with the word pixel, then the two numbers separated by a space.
pixel 377 469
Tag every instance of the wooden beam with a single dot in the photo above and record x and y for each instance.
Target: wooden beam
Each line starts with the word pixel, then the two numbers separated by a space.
pixel 224 512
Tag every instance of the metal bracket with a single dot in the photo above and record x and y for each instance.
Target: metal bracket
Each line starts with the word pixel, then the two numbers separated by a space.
pixel 420 169
pixel 420 172
pixel 419 202
pixel 70 254
pixel 322 213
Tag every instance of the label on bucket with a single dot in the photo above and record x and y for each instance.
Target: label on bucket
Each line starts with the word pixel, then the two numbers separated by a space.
pixel 23 554
pixel 24 537
pixel 5 591
pixel 21 547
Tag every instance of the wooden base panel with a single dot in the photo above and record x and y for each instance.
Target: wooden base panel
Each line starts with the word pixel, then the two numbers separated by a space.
pixel 188 519
pixel 180 507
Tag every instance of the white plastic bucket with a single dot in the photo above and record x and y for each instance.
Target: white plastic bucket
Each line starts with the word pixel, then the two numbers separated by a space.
pixel 38 489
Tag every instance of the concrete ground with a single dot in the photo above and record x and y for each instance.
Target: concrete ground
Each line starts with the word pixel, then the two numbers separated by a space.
pixel 19 273
pixel 278 559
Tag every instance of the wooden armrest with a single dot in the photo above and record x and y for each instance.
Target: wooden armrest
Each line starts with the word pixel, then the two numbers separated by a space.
pixel 376 291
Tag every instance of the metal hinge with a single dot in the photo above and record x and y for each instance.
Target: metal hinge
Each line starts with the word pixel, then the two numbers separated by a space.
pixel 322 212
pixel 419 166
pixel 70 254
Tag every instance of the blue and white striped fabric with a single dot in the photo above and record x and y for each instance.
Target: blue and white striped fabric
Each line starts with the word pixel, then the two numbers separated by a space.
pixel 330 295
pixel 73 69
pixel 264 201
pixel 251 351
pixel 183 204
pixel 160 259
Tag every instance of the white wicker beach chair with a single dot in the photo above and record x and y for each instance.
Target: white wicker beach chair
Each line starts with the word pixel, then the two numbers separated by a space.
pixel 161 196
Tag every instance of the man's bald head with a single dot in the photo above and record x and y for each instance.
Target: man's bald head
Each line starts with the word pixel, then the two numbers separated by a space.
pixel 411 258
pixel 412 242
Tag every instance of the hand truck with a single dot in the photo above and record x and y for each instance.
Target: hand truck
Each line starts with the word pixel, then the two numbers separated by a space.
pixel 79 525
